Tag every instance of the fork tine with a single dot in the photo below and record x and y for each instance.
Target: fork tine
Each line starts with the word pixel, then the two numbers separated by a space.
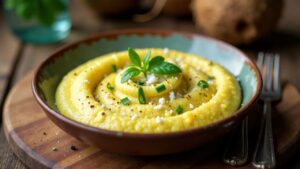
pixel 259 61
pixel 277 84
pixel 269 71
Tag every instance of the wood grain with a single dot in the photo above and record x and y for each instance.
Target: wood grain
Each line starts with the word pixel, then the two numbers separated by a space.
pixel 33 137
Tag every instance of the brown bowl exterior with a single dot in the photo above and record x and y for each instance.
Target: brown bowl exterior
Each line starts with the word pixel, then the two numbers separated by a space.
pixel 136 143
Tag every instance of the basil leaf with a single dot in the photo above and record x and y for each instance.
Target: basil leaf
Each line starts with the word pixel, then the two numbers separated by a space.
pixel 134 57
pixel 165 68
pixel 147 59
pixel 130 73
pixel 141 96
pixel 155 61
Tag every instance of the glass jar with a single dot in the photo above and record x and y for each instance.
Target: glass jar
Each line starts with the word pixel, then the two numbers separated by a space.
pixel 31 31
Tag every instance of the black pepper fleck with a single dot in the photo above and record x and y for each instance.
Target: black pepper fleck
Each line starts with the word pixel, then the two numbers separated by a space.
pixel 74 148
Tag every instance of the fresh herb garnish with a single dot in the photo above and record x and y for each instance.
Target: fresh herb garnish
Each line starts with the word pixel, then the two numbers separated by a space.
pixel 114 68
pixel 179 109
pixel 157 65
pixel 209 77
pixel 203 84
pixel 125 101
pixel 160 88
pixel 130 73
pixel 110 86
pixel 141 96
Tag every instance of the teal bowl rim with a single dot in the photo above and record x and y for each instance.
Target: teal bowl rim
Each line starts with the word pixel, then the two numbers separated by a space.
pixel 237 116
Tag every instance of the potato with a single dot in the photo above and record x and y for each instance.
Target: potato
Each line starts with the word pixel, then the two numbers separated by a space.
pixel 236 21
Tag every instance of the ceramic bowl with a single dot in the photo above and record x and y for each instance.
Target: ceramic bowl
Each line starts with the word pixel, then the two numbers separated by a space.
pixel 52 70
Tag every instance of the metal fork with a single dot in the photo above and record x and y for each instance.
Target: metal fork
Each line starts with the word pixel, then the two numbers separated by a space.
pixel 269 65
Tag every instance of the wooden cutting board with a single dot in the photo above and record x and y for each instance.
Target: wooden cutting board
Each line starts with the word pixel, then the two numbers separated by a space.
pixel 41 144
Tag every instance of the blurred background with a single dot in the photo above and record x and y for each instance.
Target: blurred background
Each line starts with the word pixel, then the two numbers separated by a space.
pixel 239 23
pixel 32 29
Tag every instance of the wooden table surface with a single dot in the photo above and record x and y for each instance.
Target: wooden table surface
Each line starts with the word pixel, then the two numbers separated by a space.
pixel 17 58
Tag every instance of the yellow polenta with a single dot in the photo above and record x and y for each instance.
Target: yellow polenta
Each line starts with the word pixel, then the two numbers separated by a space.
pixel 83 94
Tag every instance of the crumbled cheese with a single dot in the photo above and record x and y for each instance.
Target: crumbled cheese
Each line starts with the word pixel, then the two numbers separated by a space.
pixel 133 117
pixel 210 82
pixel 158 119
pixel 157 107
pixel 161 101
pixel 151 79
pixel 191 105
pixel 172 95
pixel 129 80
pixel 123 113
pixel 166 50
pixel 178 60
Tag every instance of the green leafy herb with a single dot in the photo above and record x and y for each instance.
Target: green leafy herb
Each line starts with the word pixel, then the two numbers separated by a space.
pixel 203 84
pixel 141 96
pixel 134 57
pixel 44 12
pixel 156 65
pixel 179 109
pixel 157 60
pixel 165 68
pixel 114 68
pixel 110 86
pixel 146 60
pixel 209 77
pixel 125 101
pixel 160 88
pixel 130 73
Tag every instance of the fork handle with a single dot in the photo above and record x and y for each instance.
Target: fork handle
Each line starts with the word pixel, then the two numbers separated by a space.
pixel 236 150
pixel 264 155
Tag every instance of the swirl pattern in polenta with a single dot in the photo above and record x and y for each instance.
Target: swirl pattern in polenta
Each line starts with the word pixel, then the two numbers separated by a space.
pixel 201 93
